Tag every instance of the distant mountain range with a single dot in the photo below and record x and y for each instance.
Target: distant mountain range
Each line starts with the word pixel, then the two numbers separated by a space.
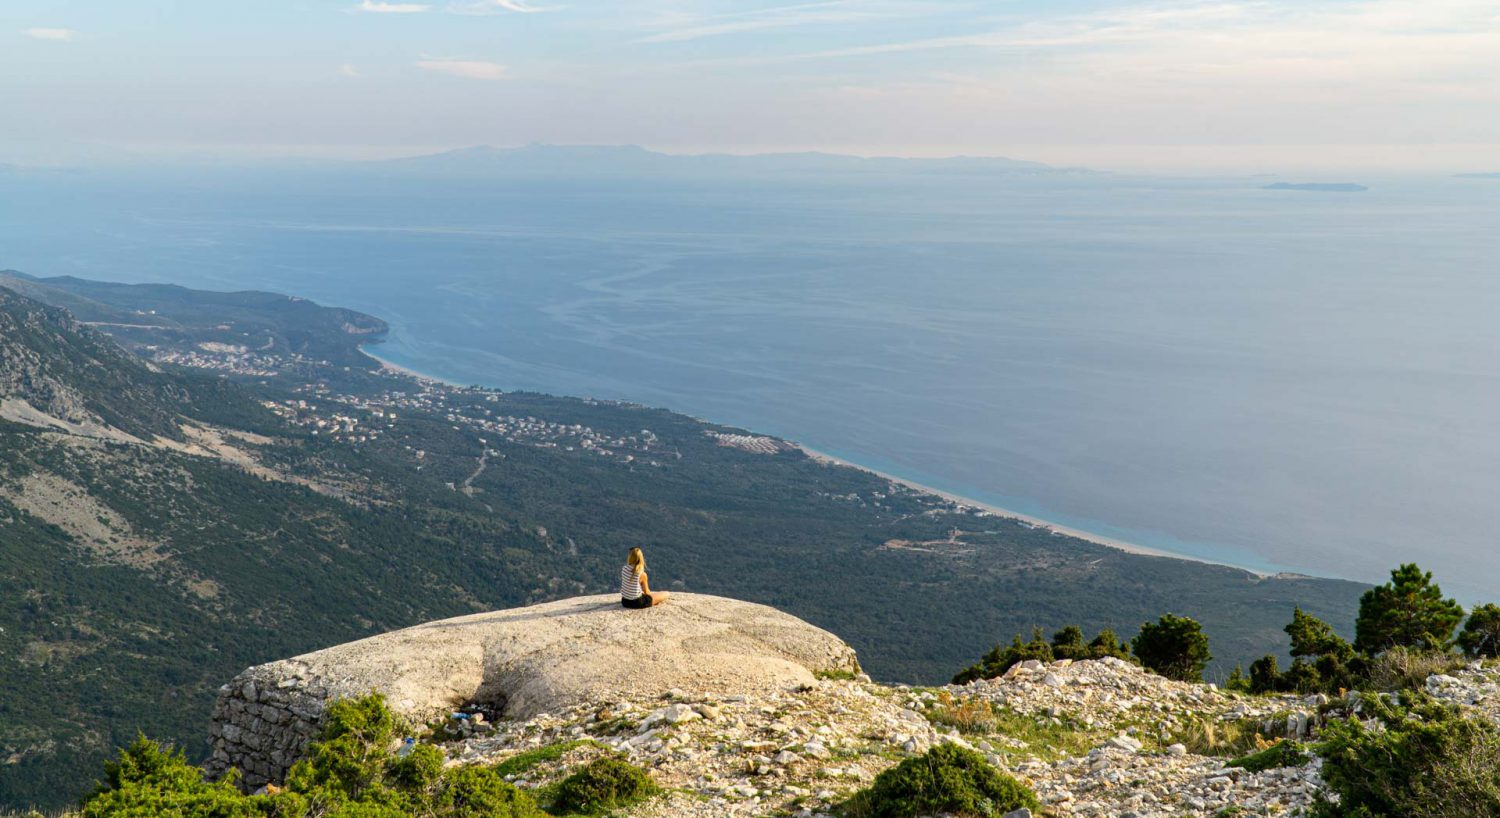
pixel 633 160
pixel 1318 187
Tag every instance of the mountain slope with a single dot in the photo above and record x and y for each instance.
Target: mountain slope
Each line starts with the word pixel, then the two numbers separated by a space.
pixel 55 372
pixel 144 316
pixel 319 503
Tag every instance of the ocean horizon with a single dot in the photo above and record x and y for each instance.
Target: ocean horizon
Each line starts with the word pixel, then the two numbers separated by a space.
pixel 1282 380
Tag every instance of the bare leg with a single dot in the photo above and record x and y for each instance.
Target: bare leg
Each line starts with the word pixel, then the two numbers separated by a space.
pixel 658 597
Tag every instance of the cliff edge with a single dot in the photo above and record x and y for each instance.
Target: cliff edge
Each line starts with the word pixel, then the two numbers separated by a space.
pixel 520 663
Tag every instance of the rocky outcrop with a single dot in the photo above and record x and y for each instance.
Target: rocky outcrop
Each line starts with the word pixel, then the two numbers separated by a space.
pixel 520 663
pixel 1093 738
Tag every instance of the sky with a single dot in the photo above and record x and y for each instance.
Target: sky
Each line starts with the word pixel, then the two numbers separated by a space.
pixel 1243 84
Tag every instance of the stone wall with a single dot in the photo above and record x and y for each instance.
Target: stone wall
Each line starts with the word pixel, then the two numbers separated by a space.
pixel 262 724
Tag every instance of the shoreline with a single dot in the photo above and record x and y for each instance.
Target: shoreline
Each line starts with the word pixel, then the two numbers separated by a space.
pixel 398 369
pixel 1036 522
pixel 964 502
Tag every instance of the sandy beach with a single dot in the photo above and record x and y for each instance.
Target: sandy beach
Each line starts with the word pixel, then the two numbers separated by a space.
pixel 401 370
pixel 997 511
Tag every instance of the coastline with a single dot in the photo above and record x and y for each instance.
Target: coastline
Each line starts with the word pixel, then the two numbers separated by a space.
pixel 1037 522
pixel 401 370
pixel 965 502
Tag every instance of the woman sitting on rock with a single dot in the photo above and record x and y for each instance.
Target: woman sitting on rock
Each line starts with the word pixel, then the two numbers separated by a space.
pixel 635 589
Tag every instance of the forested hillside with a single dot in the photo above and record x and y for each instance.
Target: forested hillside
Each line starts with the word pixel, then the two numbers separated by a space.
pixel 255 516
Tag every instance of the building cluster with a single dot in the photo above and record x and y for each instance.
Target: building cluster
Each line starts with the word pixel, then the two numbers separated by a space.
pixel 336 421
pixel 569 437
pixel 229 360
pixel 755 444
pixel 363 418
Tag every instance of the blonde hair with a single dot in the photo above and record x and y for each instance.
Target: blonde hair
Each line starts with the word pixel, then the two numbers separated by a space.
pixel 636 560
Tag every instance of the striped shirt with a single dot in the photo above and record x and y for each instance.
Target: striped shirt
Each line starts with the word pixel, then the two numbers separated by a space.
pixel 630 583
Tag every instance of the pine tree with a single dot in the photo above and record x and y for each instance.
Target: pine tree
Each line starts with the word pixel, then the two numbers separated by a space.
pixel 1173 646
pixel 1481 634
pixel 1409 611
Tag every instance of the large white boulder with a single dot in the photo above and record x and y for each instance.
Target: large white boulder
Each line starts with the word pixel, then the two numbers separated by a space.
pixel 520 662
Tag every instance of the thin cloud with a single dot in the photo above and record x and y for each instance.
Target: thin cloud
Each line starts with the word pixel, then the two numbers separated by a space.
pixel 348 70
pixel 469 69
pixel 1379 38
pixel 56 35
pixel 378 7
pixel 781 17
pixel 498 7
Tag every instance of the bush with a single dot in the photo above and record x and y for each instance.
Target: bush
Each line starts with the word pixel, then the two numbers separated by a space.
pixel 967 714
pixel 1066 644
pixel 1406 668
pixel 1480 637
pixel 351 773
pixel 1280 754
pixel 604 784
pixel 148 780
pixel 1265 675
pixel 1421 759
pixel 418 771
pixel 479 792
pixel 946 778
pixel 1174 647
pixel 1409 611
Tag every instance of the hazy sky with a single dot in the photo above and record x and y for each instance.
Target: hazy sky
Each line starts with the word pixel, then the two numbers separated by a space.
pixel 1341 83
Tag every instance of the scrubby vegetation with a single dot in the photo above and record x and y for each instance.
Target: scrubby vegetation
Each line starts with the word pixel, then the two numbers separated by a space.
pixel 351 772
pixel 945 779
pixel 1281 754
pixel 1405 633
pixel 1419 759
pixel 1480 637
pixel 1066 644
pixel 1173 646
pixel 604 784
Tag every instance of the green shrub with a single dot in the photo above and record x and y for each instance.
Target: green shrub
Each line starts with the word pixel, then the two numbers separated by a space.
pixel 1421 759
pixel 1409 611
pixel 480 792
pixel 1174 647
pixel 946 778
pixel 1280 754
pixel 351 773
pixel 1238 682
pixel 604 784
pixel 418 771
pixel 1066 644
pixel 1481 634
pixel 1265 675
pixel 148 780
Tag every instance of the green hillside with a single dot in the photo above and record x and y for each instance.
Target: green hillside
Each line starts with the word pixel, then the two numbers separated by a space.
pixel 324 504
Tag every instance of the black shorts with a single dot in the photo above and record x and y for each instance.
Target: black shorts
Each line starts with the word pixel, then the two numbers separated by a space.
pixel 642 601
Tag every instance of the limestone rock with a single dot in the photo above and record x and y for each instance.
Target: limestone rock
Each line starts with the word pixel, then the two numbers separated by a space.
pixel 524 662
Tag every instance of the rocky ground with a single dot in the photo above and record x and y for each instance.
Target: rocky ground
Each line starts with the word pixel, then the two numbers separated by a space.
pixel 1094 738
pixel 1476 686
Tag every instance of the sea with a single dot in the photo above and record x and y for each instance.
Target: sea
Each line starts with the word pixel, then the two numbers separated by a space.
pixel 1284 380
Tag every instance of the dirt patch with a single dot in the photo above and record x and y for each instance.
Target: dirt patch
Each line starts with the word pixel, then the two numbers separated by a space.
pixel 93 525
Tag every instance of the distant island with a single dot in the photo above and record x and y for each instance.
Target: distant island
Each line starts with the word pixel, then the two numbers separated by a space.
pixel 1318 187
pixel 634 160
